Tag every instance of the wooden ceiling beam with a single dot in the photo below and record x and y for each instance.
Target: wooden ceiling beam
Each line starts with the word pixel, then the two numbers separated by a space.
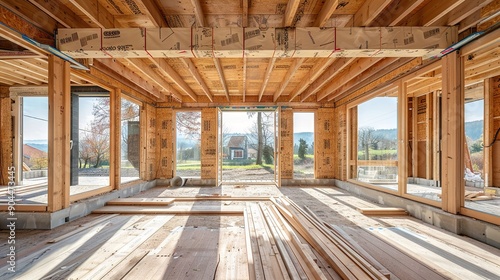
pixel 167 71
pixel 97 13
pixel 313 74
pixel 473 71
pixel 154 13
pixel 290 12
pixel 368 12
pixel 461 12
pixel 269 70
pixel 25 11
pixel 244 13
pixel 19 65
pixel 198 12
pixel 334 69
pixel 355 68
pixel 432 12
pixel 147 69
pixel 326 12
pixel 379 69
pixel 196 75
pixel 296 63
pixel 396 12
pixel 120 72
pixel 222 78
pixel 61 13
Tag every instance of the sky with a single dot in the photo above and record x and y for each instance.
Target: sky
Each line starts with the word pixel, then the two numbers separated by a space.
pixel 379 113
pixel 474 111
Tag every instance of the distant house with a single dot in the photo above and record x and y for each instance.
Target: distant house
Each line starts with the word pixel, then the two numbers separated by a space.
pixel 34 158
pixel 238 147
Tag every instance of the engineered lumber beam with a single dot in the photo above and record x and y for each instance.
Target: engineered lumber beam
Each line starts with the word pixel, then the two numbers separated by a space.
pixel 154 13
pixel 59 134
pixel 221 77
pixel 461 12
pixel 396 12
pixel 19 14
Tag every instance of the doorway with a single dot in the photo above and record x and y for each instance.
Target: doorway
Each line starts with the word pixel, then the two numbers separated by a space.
pixel 248 147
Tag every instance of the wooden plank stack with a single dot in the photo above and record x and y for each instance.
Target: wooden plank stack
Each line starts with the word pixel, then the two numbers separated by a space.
pixel 286 242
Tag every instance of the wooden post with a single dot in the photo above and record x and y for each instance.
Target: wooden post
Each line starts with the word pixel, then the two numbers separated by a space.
pixel 209 143
pixel 402 138
pixel 59 133
pixel 324 143
pixel 494 150
pixel 165 148
pixel 452 157
pixel 429 155
pixel 6 143
pixel 286 145
pixel 488 132
pixel 342 143
pixel 115 138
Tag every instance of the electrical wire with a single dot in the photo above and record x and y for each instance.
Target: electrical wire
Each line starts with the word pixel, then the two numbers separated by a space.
pixel 494 139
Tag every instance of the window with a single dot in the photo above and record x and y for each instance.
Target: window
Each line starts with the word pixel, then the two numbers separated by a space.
pixel 130 141
pixel 238 154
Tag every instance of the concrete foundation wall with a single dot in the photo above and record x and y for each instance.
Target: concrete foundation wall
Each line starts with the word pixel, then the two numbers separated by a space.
pixel 38 220
pixel 461 225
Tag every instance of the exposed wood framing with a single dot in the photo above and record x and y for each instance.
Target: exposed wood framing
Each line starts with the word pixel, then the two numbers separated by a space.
pixel 244 78
pixel 168 71
pixel 269 70
pixel 119 71
pixel 291 10
pixel 244 13
pixel 461 12
pixel 221 77
pixel 324 151
pixel 196 75
pixel 59 134
pixel 209 143
pixel 165 148
pixel 397 12
pixel 198 12
pixel 6 140
pixel 59 12
pixel 326 12
pixel 115 141
pixel 154 13
pixel 452 159
pixel 97 14
pixel 354 69
pixel 432 12
pixel 369 11
pixel 402 137
pixel 334 69
pixel 18 15
pixel 286 145
pixel 288 77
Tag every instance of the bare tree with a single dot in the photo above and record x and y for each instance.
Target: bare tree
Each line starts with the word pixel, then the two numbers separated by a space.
pixel 367 139
pixel 264 129
pixel 188 123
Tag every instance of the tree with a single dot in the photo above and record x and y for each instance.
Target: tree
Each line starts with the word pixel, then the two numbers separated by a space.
pixel 302 148
pixel 367 138
pixel 264 129
pixel 188 123
pixel 97 143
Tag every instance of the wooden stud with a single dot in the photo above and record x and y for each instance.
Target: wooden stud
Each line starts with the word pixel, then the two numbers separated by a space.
pixel 196 75
pixel 315 72
pixel 488 131
pixel 6 139
pixel 452 159
pixel 116 138
pixel 209 142
pixel 221 77
pixel 198 12
pixel 59 134
pixel 168 71
pixel 402 137
pixel 296 63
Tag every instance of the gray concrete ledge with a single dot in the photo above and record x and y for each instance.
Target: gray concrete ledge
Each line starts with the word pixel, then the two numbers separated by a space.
pixel 461 225
pixel 307 182
pixel 191 182
pixel 44 220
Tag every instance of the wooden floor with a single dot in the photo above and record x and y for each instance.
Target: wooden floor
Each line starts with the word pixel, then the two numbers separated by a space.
pixel 211 245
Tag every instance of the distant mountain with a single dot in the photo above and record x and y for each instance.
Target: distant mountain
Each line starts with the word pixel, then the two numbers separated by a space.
pixel 41 146
pixel 474 129
pixel 307 136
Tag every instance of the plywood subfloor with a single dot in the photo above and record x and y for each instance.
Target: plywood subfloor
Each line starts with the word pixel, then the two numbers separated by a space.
pixel 114 246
